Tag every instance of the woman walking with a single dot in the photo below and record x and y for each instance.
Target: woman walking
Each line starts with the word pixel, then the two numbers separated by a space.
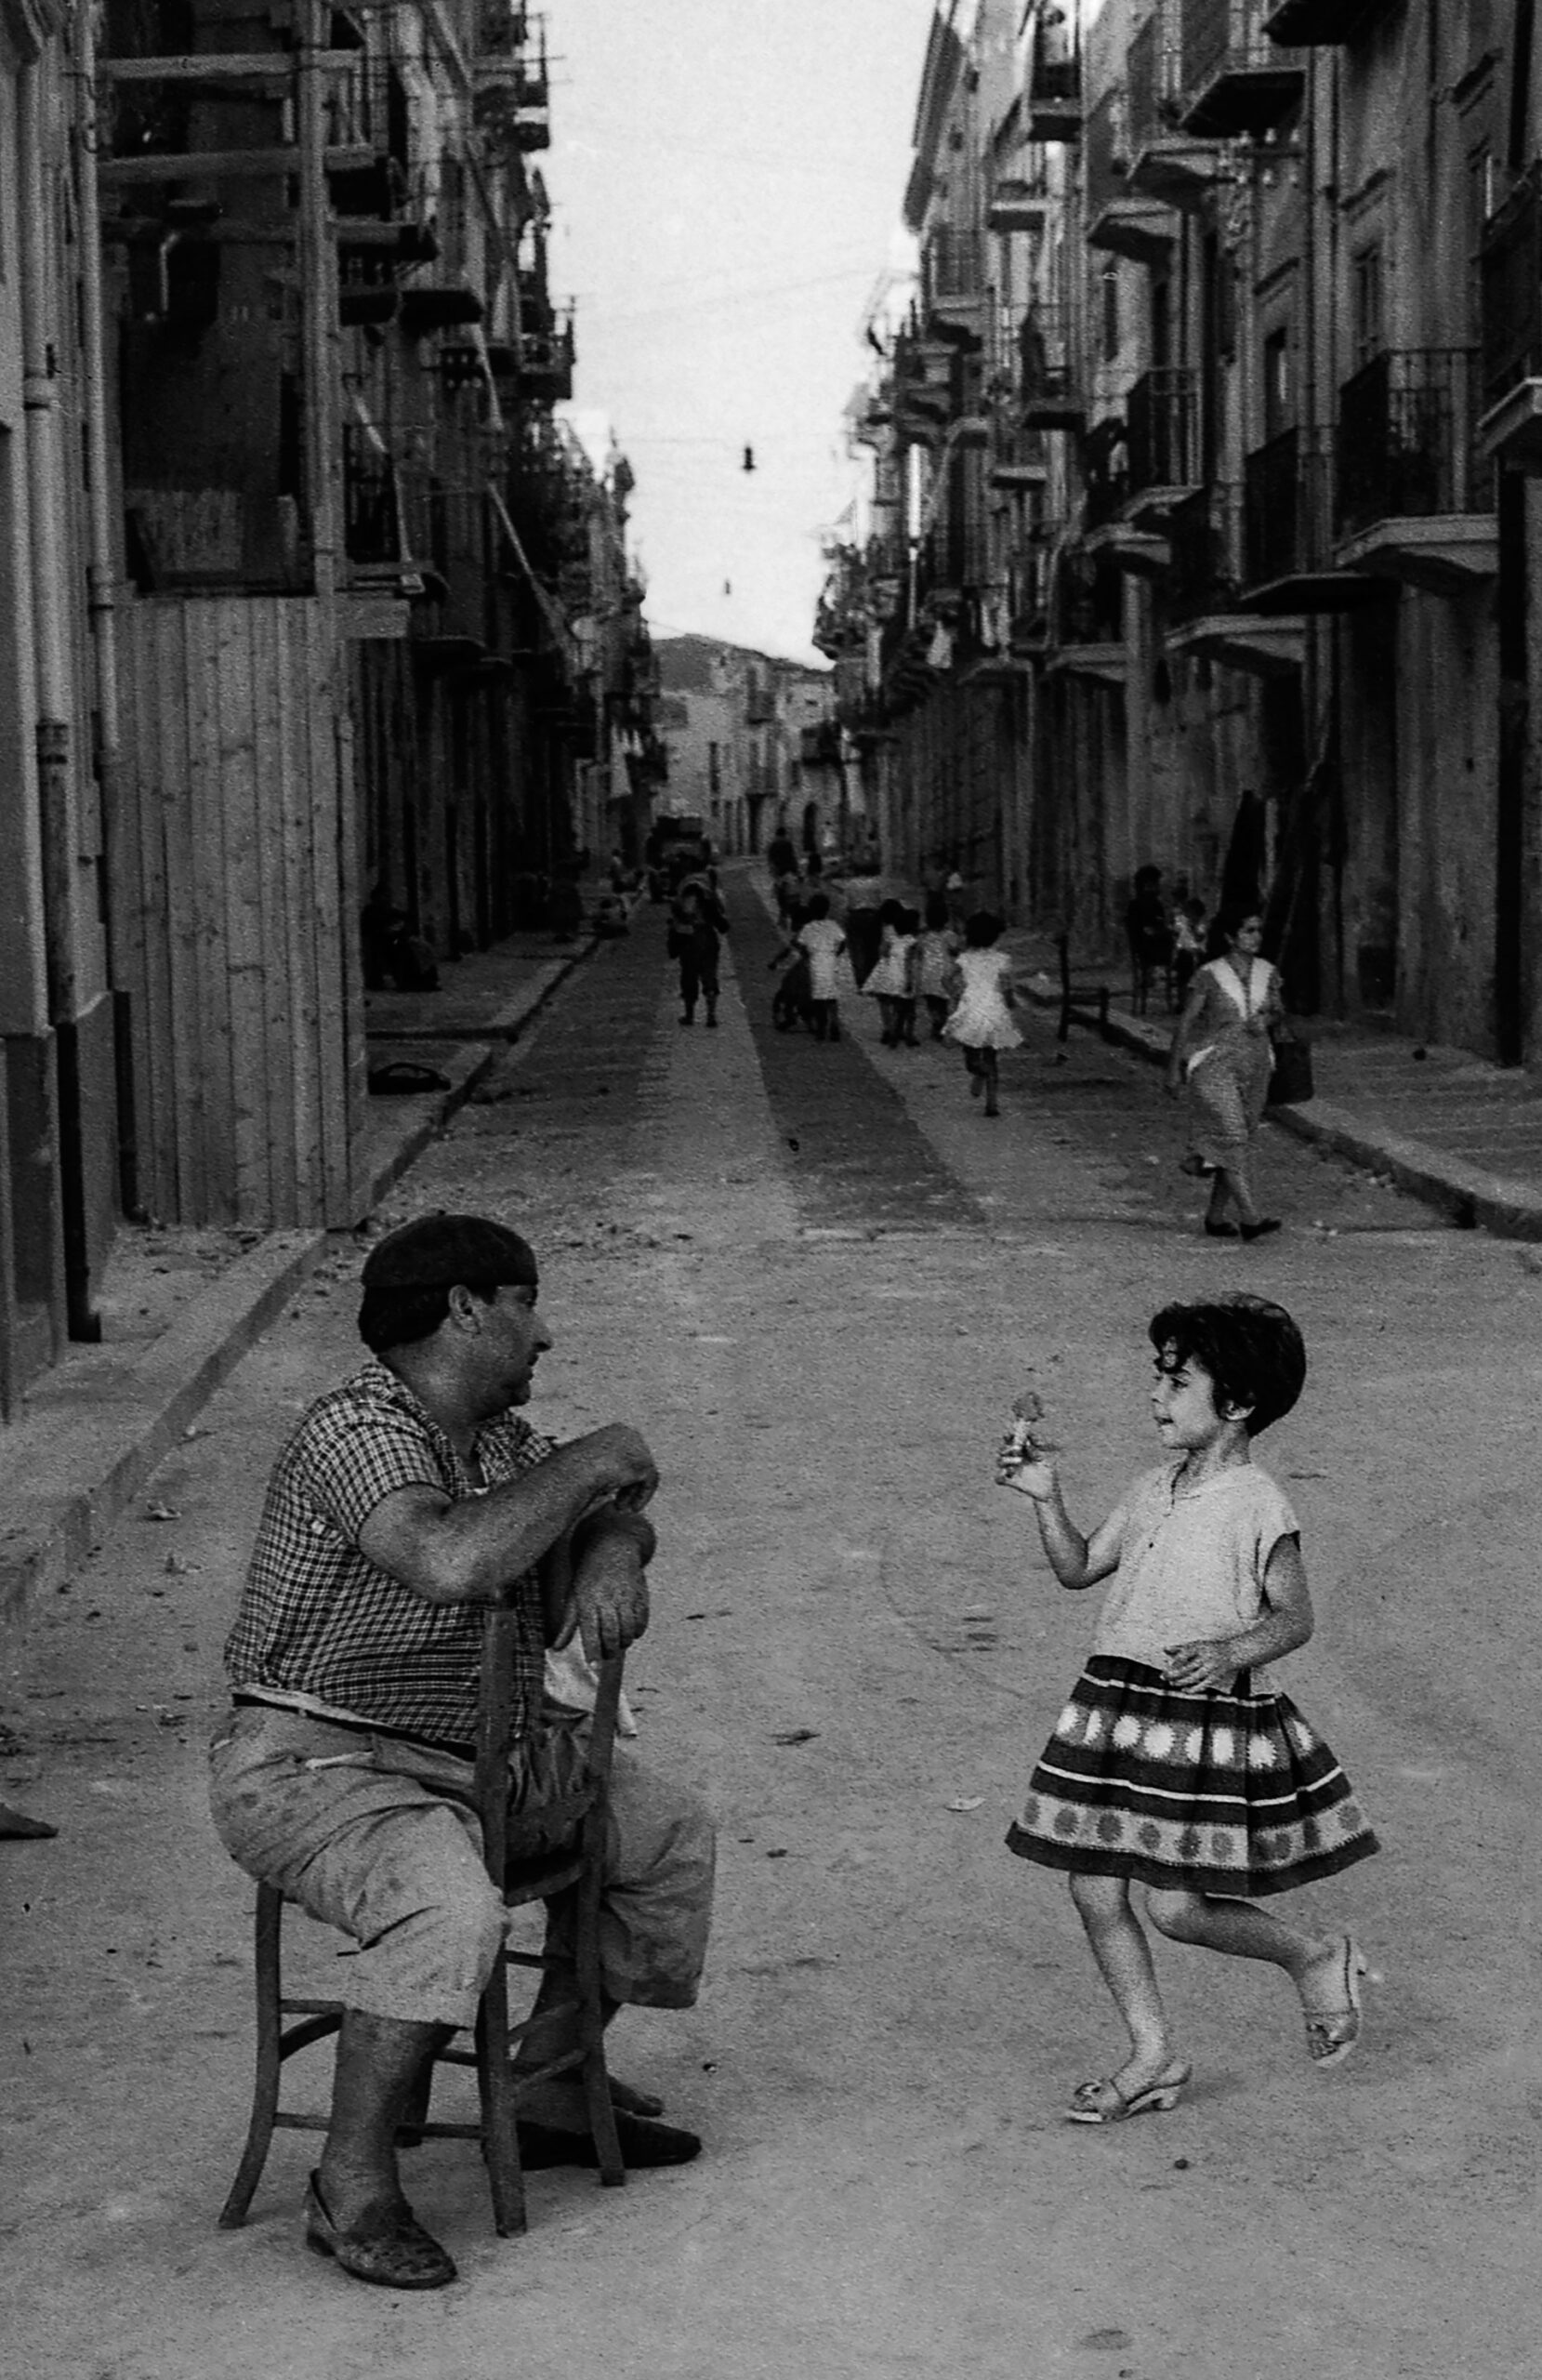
pixel 1222 1054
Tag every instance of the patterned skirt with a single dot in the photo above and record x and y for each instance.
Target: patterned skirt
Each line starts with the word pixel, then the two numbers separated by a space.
pixel 1227 1793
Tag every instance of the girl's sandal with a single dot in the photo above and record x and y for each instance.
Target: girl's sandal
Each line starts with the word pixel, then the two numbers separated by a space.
pixel 1333 2032
pixel 1105 2103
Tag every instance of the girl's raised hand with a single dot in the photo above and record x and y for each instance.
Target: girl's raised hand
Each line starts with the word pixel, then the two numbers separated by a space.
pixel 1034 1477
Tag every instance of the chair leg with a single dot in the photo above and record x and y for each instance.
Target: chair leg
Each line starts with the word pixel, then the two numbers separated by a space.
pixel 500 2137
pixel 265 2094
pixel 591 2024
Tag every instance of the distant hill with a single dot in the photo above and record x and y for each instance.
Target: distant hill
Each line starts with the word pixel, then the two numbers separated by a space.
pixel 687 663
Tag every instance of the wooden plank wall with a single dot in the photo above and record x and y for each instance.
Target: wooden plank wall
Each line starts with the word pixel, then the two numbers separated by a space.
pixel 235 871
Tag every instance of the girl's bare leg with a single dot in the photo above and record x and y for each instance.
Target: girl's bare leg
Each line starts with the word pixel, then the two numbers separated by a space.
pixel 1242 1930
pixel 1123 1954
pixel 987 1065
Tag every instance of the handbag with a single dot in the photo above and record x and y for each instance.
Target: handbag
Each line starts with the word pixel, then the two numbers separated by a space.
pixel 1290 1084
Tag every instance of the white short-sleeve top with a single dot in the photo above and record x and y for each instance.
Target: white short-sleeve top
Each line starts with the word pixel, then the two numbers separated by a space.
pixel 1191 1563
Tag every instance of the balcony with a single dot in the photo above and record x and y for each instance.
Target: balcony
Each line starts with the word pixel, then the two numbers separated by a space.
pixel 1054 87
pixel 546 359
pixel 1047 376
pixel 953 287
pixel 1202 598
pixel 1415 500
pixel 952 561
pixel 1322 24
pixel 1018 459
pixel 1236 85
pixel 1511 264
pixel 1164 166
pixel 1288 564
pixel 1163 440
pixel 1120 221
pixel 1089 617
pixel 1019 203
pixel 372 518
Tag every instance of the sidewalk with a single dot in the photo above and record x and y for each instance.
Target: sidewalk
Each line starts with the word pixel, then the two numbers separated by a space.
pixel 180 1307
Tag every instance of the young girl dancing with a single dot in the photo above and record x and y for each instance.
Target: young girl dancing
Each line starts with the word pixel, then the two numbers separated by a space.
pixel 1175 1764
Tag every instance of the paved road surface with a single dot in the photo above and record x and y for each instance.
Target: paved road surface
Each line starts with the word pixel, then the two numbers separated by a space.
pixel 815 1277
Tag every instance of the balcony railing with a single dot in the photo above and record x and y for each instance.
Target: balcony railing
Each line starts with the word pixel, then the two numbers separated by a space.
pixel 1237 83
pixel 1163 430
pixel 1048 377
pixel 1405 447
pixel 951 556
pixel 372 519
pixel 1152 79
pixel 1054 85
pixel 953 266
pixel 1204 541
pixel 1287 514
pixel 1511 272
pixel 1089 601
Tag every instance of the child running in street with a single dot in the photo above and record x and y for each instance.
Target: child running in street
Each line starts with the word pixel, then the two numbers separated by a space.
pixel 1175 1764
pixel 937 946
pixel 892 981
pixel 982 1021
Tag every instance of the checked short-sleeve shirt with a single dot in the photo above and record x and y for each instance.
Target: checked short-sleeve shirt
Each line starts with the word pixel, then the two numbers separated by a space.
pixel 320 1623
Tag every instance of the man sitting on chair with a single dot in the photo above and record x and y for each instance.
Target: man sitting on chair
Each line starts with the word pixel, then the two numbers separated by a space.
pixel 403 1503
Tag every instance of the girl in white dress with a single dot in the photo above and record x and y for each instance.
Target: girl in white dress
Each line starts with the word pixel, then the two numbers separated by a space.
pixel 892 981
pixel 982 1020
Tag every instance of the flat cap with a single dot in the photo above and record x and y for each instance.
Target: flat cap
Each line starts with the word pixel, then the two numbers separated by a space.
pixel 438 1251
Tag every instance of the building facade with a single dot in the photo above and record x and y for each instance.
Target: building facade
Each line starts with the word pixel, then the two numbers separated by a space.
pixel 312 598
pixel 1203 518
pixel 751 745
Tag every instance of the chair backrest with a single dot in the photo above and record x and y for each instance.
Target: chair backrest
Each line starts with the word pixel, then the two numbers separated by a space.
pixel 496 1725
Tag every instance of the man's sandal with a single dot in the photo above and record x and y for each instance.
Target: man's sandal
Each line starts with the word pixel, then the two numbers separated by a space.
pixel 1333 2032
pixel 394 2251
pixel 1105 2103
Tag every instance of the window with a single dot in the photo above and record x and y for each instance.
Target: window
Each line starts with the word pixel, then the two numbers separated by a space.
pixel 1367 327
pixel 1279 395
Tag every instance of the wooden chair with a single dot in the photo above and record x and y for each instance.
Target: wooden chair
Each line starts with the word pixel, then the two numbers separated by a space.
pixel 577 1870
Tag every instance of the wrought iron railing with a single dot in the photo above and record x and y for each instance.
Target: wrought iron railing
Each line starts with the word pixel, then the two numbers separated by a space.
pixel 372 518
pixel 1287 512
pixel 1406 442
pixel 1089 606
pixel 952 556
pixel 1203 542
pixel 953 266
pixel 1152 77
pixel 366 107
pixel 1047 379
pixel 1055 79
pixel 1218 35
pixel 1162 416
pixel 1511 264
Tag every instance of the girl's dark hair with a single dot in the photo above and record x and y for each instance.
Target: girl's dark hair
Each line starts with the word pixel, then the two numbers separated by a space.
pixel 984 929
pixel 1231 919
pixel 1251 1349
pixel 910 922
pixel 893 914
pixel 401 1317
pixel 937 913
pixel 819 904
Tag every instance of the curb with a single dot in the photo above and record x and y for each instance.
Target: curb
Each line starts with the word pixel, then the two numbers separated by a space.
pixel 96 1428
pixel 117 1419
pixel 1472 1198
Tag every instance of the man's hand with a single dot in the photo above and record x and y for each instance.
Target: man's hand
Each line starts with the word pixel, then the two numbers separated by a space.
pixel 627 1473
pixel 607 1604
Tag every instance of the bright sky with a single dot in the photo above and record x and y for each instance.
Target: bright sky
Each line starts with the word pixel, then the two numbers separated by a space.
pixel 726 179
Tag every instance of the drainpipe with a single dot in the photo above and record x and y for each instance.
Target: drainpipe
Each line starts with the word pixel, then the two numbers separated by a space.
pixel 51 669
pixel 101 600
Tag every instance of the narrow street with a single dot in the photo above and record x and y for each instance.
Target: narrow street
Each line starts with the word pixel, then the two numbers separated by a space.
pixel 814 1277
